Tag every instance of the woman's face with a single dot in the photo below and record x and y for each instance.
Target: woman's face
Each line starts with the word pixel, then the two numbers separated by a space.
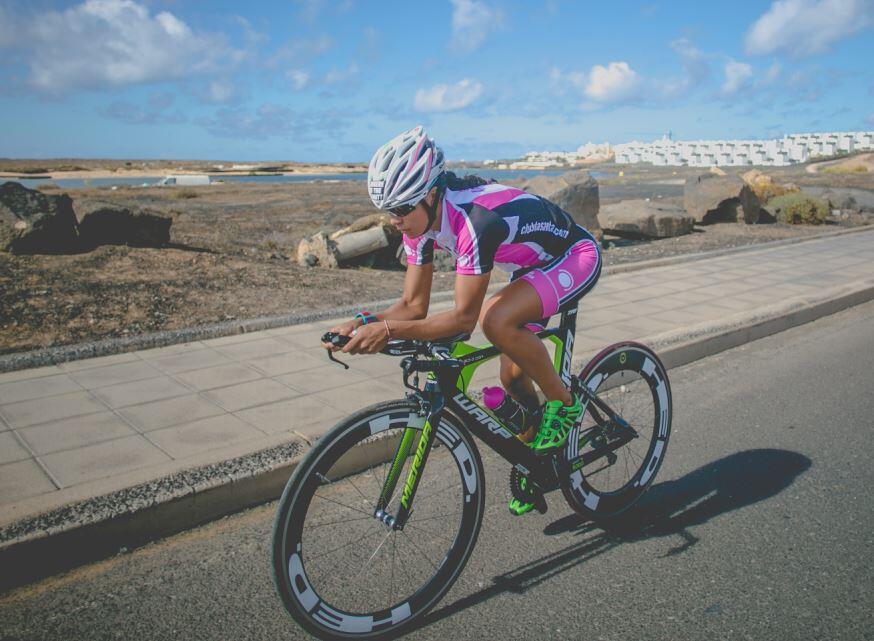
pixel 415 223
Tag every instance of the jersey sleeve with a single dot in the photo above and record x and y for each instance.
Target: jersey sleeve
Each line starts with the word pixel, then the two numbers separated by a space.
pixel 478 240
pixel 420 251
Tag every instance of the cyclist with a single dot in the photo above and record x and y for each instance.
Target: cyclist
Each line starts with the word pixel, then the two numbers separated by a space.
pixel 553 262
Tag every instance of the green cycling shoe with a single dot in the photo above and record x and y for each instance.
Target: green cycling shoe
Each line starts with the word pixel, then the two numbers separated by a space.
pixel 556 424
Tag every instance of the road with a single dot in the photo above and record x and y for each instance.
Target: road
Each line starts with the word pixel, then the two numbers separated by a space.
pixel 758 527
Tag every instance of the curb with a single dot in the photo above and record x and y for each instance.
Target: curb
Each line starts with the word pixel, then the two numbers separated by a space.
pixel 46 544
pixel 94 529
pixel 110 346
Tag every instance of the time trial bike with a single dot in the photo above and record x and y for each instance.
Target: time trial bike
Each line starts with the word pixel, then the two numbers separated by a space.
pixel 378 520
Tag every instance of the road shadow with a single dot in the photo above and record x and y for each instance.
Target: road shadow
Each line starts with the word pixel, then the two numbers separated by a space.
pixel 667 509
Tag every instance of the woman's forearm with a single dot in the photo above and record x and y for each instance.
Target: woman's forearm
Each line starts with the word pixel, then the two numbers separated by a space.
pixel 402 311
pixel 440 325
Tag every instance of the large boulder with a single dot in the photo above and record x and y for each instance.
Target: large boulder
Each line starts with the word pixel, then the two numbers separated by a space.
pixel 35 223
pixel 576 192
pixel 639 219
pixel 764 186
pixel 104 223
pixel 714 199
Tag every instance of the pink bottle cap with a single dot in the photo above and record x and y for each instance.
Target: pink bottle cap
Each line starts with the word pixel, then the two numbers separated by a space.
pixel 493 397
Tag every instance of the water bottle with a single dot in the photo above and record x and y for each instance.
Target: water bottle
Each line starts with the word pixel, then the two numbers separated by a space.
pixel 502 405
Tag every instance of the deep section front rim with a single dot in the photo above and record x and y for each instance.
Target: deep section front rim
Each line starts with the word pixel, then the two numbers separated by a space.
pixel 343 573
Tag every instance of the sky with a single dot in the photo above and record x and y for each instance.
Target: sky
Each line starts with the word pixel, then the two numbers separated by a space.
pixel 322 81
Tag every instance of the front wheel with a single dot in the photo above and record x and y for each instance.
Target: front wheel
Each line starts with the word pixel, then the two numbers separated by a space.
pixel 609 464
pixel 343 573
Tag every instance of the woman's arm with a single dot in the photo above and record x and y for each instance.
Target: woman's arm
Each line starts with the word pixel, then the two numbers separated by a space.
pixel 412 305
pixel 414 302
pixel 469 294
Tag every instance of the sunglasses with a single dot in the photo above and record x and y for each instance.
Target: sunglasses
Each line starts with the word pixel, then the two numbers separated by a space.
pixel 401 210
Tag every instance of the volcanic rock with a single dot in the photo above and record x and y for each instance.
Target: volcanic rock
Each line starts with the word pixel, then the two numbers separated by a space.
pixel 714 199
pixel 639 219
pixel 35 223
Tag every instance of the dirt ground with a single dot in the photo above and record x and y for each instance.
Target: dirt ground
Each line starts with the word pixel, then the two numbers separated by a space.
pixel 232 258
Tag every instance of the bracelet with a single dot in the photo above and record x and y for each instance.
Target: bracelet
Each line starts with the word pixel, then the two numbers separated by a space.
pixel 365 317
pixel 387 329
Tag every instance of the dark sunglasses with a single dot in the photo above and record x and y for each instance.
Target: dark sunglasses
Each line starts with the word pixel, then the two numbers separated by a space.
pixel 401 210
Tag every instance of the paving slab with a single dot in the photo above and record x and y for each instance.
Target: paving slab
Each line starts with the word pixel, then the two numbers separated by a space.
pixel 202 435
pixel 76 432
pixel 43 410
pixel 101 460
pixel 11 449
pixel 173 411
pixel 174 363
pixel 22 480
pixel 305 415
pixel 25 390
pixel 260 392
pixel 106 375
pixel 218 376
pixel 151 389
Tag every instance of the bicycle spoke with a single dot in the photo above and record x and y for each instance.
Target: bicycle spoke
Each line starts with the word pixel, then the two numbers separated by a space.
pixel 416 547
pixel 348 507
pixel 345 545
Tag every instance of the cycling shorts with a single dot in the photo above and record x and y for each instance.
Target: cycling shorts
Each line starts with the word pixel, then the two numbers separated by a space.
pixel 564 280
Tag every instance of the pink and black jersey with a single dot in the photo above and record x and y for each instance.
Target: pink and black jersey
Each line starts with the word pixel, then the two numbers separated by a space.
pixel 497 226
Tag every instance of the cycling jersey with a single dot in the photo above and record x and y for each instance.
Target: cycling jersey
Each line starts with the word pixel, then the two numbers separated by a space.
pixel 497 226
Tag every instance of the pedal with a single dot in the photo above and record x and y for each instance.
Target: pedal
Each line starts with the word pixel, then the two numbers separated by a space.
pixel 527 494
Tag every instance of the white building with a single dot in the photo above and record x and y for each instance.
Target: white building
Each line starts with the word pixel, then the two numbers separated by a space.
pixel 788 150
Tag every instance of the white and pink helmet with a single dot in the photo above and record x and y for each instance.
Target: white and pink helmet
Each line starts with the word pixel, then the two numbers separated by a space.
pixel 404 169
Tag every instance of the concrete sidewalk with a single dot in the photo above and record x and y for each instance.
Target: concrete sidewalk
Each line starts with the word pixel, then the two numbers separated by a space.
pixel 87 428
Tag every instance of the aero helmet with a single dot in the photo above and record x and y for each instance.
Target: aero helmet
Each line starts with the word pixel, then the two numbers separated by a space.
pixel 404 170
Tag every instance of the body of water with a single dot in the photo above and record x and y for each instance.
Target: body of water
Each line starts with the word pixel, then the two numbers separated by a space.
pixel 78 183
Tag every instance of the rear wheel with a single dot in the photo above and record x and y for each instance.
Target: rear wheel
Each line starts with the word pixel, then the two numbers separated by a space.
pixel 610 464
pixel 341 572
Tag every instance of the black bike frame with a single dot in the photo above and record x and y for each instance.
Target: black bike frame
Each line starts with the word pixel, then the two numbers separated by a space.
pixel 445 374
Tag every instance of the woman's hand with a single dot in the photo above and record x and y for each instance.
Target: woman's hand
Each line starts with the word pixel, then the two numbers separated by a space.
pixel 368 339
pixel 344 329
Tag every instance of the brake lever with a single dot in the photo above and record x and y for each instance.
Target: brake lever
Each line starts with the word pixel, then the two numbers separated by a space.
pixel 336 360
pixel 337 340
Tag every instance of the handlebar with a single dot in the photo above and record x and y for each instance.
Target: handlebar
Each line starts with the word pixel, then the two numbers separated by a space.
pixel 405 347
pixel 397 347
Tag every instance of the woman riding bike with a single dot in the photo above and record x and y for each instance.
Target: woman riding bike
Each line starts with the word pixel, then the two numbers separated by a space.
pixel 553 262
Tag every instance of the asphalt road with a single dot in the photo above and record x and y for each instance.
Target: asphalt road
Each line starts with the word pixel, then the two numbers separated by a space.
pixel 759 526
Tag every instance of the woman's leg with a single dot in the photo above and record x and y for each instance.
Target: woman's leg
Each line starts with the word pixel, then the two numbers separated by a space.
pixel 503 319
pixel 518 384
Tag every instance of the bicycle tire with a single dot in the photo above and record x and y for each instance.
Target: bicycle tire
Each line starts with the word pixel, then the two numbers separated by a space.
pixel 620 370
pixel 303 595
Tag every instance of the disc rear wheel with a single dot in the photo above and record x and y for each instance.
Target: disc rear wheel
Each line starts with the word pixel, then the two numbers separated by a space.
pixel 611 462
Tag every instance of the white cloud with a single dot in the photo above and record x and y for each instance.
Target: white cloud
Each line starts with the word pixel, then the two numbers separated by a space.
pixel 870 119
pixel 471 22
pixel 805 27
pixel 299 78
pixel 106 43
pixel 737 74
pixel 221 91
pixel 448 97
pixel 617 82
